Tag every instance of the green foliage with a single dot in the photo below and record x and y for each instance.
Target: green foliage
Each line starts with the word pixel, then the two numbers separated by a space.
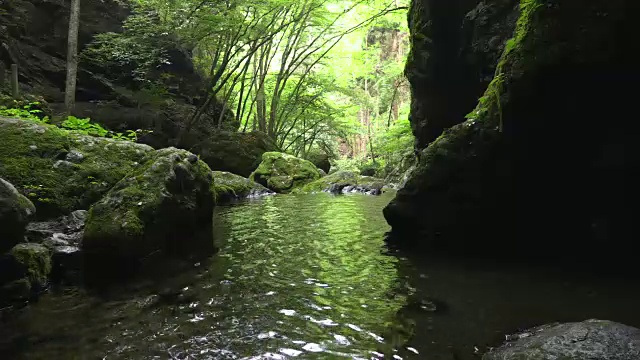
pixel 30 112
pixel 137 51
pixel 26 112
pixel 84 126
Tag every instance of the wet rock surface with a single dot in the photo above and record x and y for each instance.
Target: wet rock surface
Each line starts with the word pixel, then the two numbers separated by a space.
pixel 587 340
pixel 63 237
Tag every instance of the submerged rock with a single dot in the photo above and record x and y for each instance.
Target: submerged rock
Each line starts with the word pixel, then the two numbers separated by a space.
pixel 282 172
pixel 343 181
pixel 165 207
pixel 230 186
pixel 15 212
pixel 591 339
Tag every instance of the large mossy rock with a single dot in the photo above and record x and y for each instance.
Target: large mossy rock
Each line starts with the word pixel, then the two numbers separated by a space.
pixel 61 171
pixel 541 166
pixel 344 181
pixel 237 153
pixel 230 186
pixel 591 339
pixel 282 172
pixel 24 271
pixel 166 206
pixel 15 213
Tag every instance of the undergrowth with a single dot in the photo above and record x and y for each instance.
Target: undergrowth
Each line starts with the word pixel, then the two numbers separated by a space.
pixel 30 112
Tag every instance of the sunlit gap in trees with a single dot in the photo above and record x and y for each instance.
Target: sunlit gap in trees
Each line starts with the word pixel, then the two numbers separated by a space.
pixel 320 77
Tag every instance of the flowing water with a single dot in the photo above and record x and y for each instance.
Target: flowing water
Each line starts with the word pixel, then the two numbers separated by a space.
pixel 309 277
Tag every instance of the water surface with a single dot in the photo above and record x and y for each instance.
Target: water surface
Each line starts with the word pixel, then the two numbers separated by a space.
pixel 309 277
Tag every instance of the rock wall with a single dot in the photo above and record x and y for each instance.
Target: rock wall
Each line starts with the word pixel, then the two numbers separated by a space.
pixel 33 35
pixel 541 167
pixel 454 50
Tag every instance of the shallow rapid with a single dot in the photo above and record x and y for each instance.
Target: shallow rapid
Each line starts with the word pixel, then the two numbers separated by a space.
pixel 309 276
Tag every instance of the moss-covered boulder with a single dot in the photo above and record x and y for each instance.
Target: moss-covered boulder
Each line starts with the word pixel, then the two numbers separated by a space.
pixel 282 172
pixel 61 171
pixel 165 207
pixel 230 186
pixel 238 153
pixel 344 181
pixel 591 339
pixel 24 271
pixel 15 212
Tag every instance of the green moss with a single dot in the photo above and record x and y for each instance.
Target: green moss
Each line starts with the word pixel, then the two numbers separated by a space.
pixel 34 261
pixel 15 212
pixel 283 173
pixel 342 178
pixel 166 199
pixel 229 186
pixel 513 57
pixel 484 125
pixel 34 158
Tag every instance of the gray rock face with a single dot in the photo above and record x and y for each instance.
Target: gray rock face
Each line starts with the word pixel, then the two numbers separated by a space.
pixel 15 212
pixel 62 237
pixel 587 340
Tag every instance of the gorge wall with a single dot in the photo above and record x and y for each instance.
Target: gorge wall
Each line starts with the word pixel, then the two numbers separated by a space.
pixel 542 164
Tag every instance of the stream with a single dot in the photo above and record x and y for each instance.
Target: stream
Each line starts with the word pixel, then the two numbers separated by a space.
pixel 309 276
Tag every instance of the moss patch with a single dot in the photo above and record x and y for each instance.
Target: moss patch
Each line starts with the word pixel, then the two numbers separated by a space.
pixel 341 179
pixel 32 261
pixel 15 212
pixel 283 172
pixel 61 171
pixel 230 186
pixel 164 205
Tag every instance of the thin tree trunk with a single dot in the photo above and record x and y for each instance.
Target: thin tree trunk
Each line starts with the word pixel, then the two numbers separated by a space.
pixel 72 57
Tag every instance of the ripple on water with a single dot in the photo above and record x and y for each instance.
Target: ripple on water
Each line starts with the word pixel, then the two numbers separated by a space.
pixel 291 280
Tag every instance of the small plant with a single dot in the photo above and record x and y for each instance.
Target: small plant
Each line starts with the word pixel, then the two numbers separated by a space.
pixel 26 112
pixel 129 135
pixel 84 126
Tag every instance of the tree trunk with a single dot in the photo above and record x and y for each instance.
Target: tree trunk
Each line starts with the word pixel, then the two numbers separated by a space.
pixel 72 57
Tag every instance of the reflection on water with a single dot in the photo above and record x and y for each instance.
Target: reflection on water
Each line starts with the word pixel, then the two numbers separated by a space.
pixel 309 277
pixel 296 276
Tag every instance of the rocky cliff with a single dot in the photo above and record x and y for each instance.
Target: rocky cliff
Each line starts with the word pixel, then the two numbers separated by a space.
pixel 33 34
pixel 540 165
